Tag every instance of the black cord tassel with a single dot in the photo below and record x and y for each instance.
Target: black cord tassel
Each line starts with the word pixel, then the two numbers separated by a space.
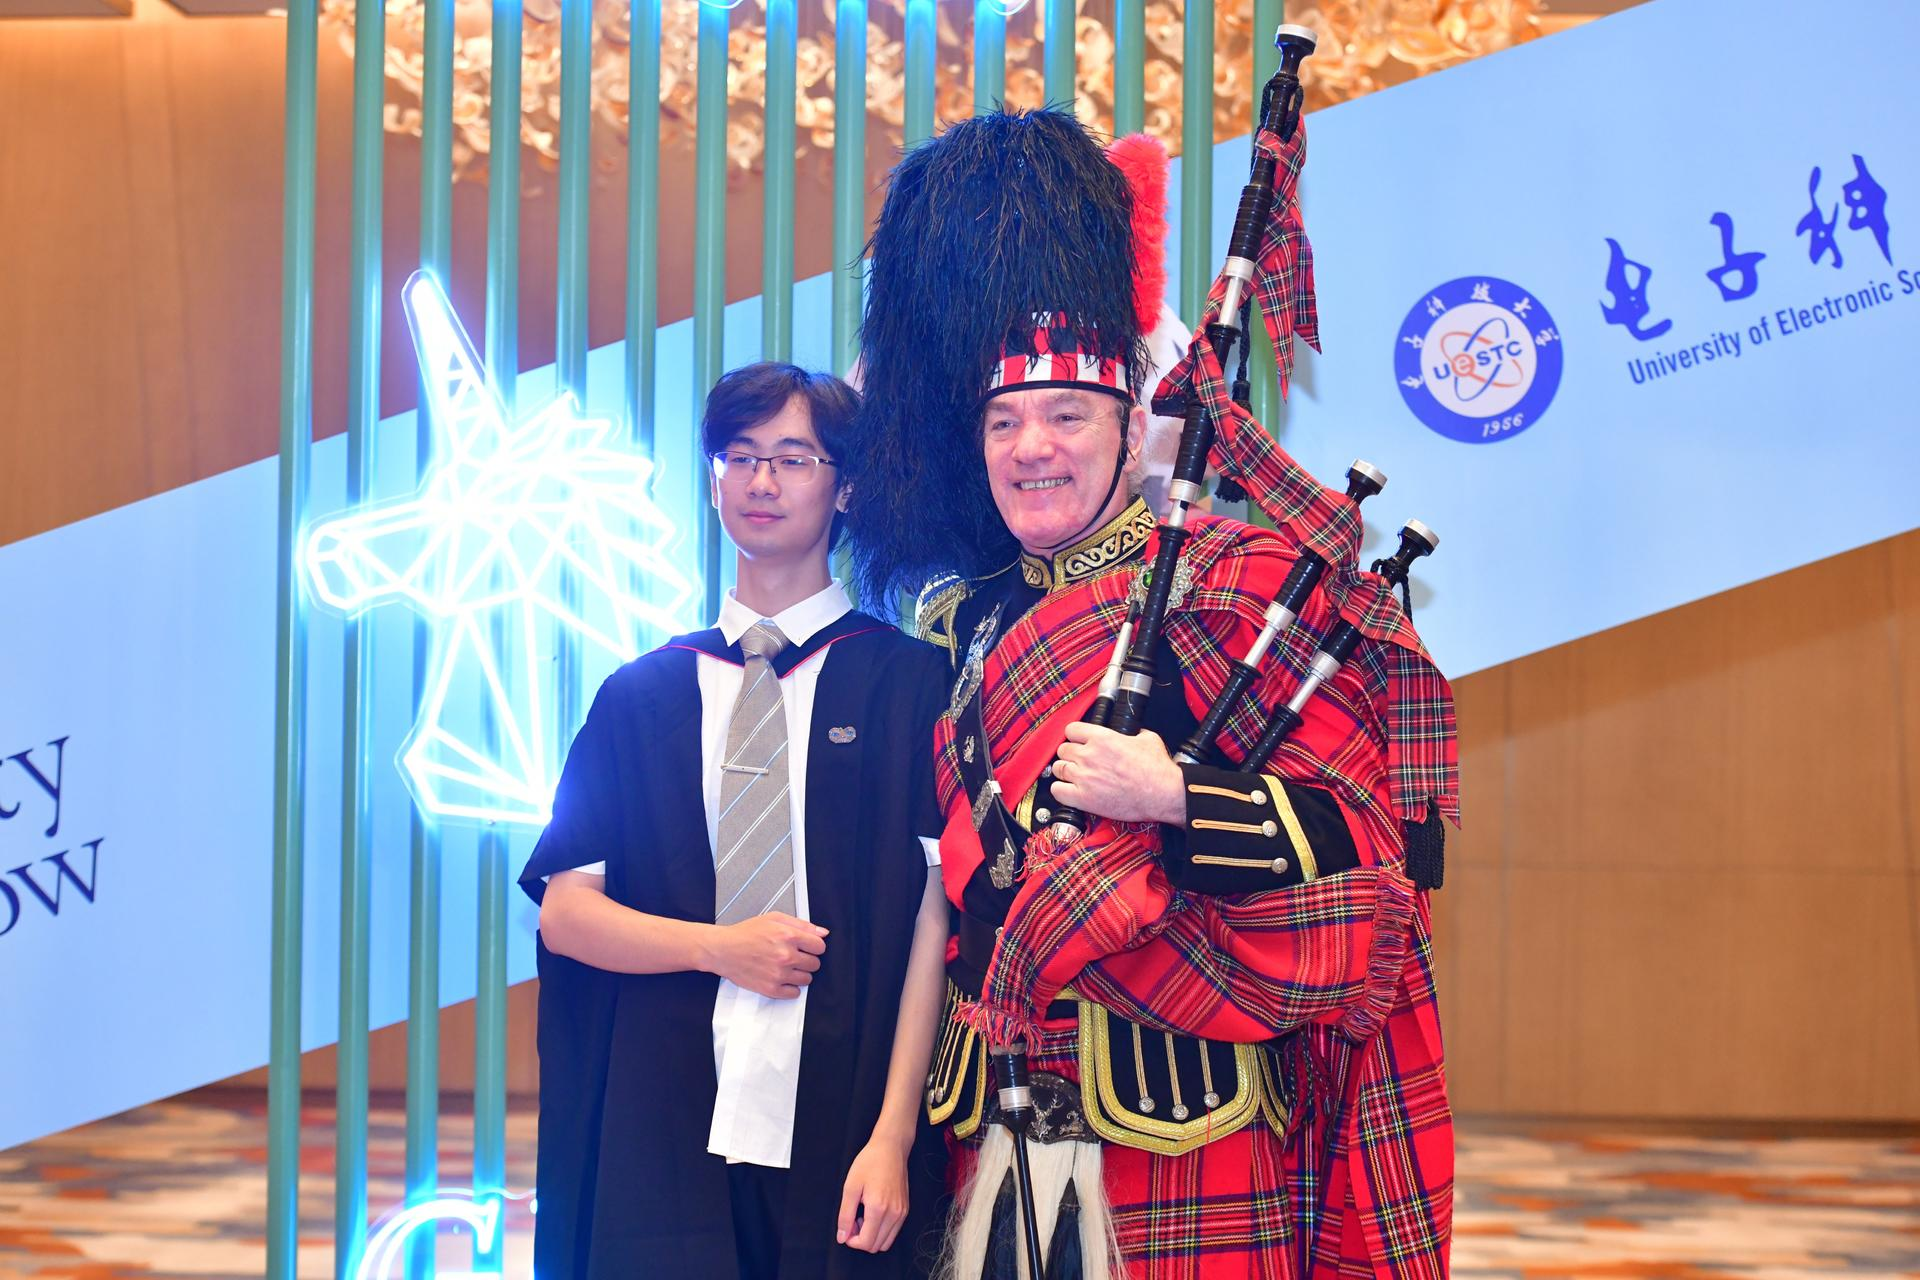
pixel 1426 849
pixel 1242 385
pixel 1226 488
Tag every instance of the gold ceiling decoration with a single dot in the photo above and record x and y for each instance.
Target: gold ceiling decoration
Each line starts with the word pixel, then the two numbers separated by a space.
pixel 1364 45
pixel 1369 44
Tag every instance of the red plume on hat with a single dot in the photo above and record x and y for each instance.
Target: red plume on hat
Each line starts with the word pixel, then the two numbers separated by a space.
pixel 1142 160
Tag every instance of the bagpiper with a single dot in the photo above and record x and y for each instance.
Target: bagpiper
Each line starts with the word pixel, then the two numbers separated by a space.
pixel 1233 1038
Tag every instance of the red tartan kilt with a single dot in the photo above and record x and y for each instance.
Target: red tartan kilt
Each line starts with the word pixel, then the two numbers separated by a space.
pixel 1216 1212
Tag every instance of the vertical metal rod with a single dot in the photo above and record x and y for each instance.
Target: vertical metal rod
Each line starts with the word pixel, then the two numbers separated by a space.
pixel 503 205
pixel 570 288
pixel 989 55
pixel 709 260
pixel 1129 67
pixel 490 1034
pixel 1267 17
pixel 922 42
pixel 643 216
pixel 1196 162
pixel 356 859
pixel 849 176
pixel 570 298
pixel 503 367
pixel 1058 64
pixel 776 276
pixel 423 933
pixel 290 641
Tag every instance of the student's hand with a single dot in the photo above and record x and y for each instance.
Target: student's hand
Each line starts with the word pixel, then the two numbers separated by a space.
pixel 874 1203
pixel 1127 779
pixel 775 955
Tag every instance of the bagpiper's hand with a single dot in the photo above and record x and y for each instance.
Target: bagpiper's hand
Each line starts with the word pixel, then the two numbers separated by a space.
pixel 1127 779
pixel 775 955
pixel 873 1205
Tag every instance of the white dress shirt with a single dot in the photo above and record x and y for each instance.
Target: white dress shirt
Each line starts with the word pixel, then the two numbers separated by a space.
pixel 756 1041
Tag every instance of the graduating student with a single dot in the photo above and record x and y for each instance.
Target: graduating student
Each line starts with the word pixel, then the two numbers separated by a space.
pixel 741 928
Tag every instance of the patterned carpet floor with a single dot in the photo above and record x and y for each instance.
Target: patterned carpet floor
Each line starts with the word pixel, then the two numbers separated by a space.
pixel 178 1189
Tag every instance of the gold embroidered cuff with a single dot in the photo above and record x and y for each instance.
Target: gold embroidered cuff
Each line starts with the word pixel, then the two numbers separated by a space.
pixel 1251 833
pixel 1302 847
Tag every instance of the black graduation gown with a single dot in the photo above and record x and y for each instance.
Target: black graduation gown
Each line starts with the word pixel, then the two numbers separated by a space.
pixel 626 1186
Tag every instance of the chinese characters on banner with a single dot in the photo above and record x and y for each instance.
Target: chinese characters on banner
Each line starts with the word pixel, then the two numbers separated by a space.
pixel 1737 275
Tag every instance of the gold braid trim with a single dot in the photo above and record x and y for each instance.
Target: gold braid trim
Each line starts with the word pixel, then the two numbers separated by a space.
pixel 1116 1122
pixel 938 603
pixel 933 612
pixel 1110 544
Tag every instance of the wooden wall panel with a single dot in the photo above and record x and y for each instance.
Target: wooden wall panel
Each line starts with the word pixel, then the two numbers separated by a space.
pixel 1705 900
pixel 1903 580
pixel 1678 741
pixel 1761 994
pixel 1469 916
pixel 140 219
pixel 47 202
pixel 140 252
pixel 1470 949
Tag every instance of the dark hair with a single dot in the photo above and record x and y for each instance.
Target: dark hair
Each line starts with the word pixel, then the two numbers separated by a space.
pixel 748 396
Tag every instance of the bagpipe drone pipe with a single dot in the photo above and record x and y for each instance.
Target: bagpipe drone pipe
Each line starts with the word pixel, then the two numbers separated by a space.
pixel 1364 480
pixel 1416 540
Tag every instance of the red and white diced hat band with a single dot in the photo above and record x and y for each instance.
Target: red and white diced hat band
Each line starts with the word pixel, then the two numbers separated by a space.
pixel 1017 371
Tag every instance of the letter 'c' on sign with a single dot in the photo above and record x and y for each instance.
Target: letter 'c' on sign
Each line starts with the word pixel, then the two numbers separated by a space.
pixel 382 1260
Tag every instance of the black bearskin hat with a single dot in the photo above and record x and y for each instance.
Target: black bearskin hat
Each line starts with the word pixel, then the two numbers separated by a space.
pixel 999 219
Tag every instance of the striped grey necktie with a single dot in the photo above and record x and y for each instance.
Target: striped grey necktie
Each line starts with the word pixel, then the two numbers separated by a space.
pixel 753 860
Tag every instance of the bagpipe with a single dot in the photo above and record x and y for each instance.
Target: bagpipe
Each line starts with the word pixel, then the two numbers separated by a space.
pixel 1121 701
pixel 1267 258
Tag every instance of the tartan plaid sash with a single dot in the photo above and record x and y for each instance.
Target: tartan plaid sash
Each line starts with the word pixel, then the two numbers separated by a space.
pixel 1043 674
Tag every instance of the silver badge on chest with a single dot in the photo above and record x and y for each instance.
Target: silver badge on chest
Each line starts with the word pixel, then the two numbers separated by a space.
pixel 1176 596
pixel 975 665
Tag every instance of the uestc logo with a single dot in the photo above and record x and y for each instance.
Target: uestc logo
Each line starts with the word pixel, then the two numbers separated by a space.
pixel 1478 359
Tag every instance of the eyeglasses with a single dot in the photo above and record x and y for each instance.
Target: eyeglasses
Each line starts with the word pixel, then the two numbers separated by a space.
pixel 735 467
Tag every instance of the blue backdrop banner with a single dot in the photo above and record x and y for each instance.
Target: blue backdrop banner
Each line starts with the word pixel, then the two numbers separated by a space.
pixel 1625 314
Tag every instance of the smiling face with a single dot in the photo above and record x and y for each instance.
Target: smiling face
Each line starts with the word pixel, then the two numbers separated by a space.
pixel 777 518
pixel 1050 455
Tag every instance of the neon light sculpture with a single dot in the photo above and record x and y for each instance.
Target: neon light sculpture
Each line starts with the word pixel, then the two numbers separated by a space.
pixel 388 1247
pixel 507 514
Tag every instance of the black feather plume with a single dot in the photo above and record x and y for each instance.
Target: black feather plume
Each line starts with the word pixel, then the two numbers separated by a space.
pixel 999 218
